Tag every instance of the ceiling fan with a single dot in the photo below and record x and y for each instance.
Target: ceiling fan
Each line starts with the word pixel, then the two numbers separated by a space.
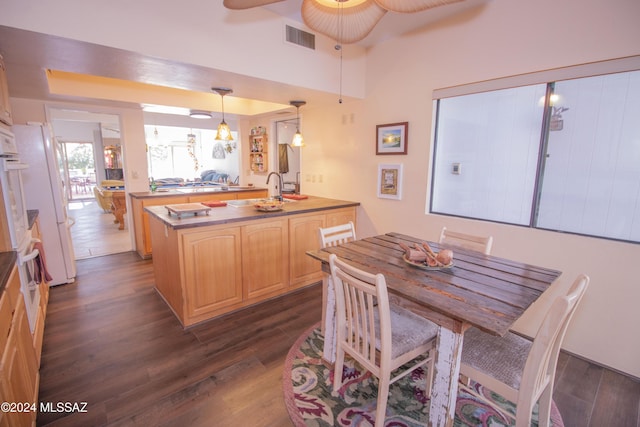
pixel 346 21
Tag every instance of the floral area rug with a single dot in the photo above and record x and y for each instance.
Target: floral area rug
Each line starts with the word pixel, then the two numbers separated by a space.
pixel 311 402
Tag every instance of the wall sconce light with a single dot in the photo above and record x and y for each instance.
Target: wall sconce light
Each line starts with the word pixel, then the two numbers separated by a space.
pixel 298 140
pixel 224 133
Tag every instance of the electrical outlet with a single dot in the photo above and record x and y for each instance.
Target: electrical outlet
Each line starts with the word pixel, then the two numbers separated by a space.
pixel 313 178
pixel 320 178
pixel 308 178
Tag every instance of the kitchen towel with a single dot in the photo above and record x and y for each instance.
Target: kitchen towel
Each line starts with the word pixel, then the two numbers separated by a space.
pixel 40 264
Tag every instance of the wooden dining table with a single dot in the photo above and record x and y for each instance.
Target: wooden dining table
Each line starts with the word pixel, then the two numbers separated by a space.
pixel 478 290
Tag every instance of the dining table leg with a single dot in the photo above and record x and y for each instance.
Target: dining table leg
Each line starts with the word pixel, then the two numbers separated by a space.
pixel 445 379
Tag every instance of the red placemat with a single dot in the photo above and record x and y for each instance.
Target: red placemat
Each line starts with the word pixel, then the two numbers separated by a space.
pixel 214 204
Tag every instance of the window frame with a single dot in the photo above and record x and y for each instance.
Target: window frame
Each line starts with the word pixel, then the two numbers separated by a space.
pixel 548 77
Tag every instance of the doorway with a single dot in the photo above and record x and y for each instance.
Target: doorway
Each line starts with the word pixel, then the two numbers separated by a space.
pixel 288 157
pixel 86 141
pixel 77 167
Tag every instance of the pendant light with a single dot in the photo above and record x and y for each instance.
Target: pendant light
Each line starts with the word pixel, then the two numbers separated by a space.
pixel 224 133
pixel 298 140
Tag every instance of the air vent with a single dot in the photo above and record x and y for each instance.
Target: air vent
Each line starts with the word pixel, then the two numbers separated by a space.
pixel 301 38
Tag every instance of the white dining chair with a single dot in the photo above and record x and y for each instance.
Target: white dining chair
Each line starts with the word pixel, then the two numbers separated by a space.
pixel 380 336
pixel 456 239
pixel 328 237
pixel 520 370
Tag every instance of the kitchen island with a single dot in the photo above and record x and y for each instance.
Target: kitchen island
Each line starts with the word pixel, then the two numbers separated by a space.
pixel 234 256
pixel 179 194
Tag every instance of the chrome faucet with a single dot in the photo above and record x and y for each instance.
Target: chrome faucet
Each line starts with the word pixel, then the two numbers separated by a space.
pixel 279 196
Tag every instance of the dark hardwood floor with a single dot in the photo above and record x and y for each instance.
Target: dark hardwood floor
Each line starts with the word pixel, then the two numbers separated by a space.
pixel 111 341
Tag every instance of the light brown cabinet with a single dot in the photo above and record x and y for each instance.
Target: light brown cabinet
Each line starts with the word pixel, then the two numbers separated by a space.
pixel 212 265
pixel 5 107
pixel 265 258
pixel 38 332
pixel 206 271
pixel 141 218
pixel 19 376
pixel 303 237
pixel 303 232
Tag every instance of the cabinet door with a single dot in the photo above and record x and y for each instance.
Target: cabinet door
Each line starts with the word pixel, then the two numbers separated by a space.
pixel 303 237
pixel 19 371
pixel 265 258
pixel 341 216
pixel 212 270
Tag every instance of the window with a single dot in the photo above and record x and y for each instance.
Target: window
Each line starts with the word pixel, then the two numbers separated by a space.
pixel 562 155
pixel 177 152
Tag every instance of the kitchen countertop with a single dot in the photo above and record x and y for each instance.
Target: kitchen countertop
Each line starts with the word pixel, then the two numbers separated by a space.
pixel 178 190
pixel 230 214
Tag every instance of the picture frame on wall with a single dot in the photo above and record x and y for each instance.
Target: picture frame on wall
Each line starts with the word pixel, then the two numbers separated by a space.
pixel 390 181
pixel 392 138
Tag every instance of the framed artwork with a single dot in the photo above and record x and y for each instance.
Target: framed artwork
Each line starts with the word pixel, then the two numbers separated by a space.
pixel 392 138
pixel 390 181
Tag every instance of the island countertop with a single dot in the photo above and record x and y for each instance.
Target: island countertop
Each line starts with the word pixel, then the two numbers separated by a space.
pixel 229 213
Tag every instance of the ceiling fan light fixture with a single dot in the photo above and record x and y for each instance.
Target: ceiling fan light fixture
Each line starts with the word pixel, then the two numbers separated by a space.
pixel 358 18
pixel 224 132
pixel 298 140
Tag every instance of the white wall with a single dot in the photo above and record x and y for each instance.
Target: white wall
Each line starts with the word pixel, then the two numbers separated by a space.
pixel 504 38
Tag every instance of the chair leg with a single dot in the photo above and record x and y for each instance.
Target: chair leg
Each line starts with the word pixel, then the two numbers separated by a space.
pixel 544 407
pixel 324 304
pixel 383 395
pixel 429 376
pixel 338 368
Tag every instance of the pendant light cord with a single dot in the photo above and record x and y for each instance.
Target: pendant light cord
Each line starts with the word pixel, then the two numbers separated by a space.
pixel 339 45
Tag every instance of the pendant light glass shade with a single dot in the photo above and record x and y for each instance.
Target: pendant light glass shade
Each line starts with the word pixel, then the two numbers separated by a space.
pixel 298 140
pixel 224 133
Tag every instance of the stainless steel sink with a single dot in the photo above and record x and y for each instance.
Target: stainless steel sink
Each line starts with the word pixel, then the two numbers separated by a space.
pixel 250 202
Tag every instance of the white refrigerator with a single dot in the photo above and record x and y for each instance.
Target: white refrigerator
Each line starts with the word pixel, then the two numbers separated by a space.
pixel 43 190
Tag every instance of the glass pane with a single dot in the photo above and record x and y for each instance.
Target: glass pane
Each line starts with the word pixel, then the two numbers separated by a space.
pixel 591 183
pixel 486 154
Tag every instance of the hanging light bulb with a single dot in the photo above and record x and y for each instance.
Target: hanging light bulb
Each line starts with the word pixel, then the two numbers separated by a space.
pixel 224 133
pixel 298 140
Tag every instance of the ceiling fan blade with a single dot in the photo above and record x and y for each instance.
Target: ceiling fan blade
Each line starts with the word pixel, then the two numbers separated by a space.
pixel 357 21
pixel 246 4
pixel 409 6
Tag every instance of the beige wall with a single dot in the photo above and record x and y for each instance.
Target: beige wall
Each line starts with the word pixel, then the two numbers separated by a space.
pixel 504 38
